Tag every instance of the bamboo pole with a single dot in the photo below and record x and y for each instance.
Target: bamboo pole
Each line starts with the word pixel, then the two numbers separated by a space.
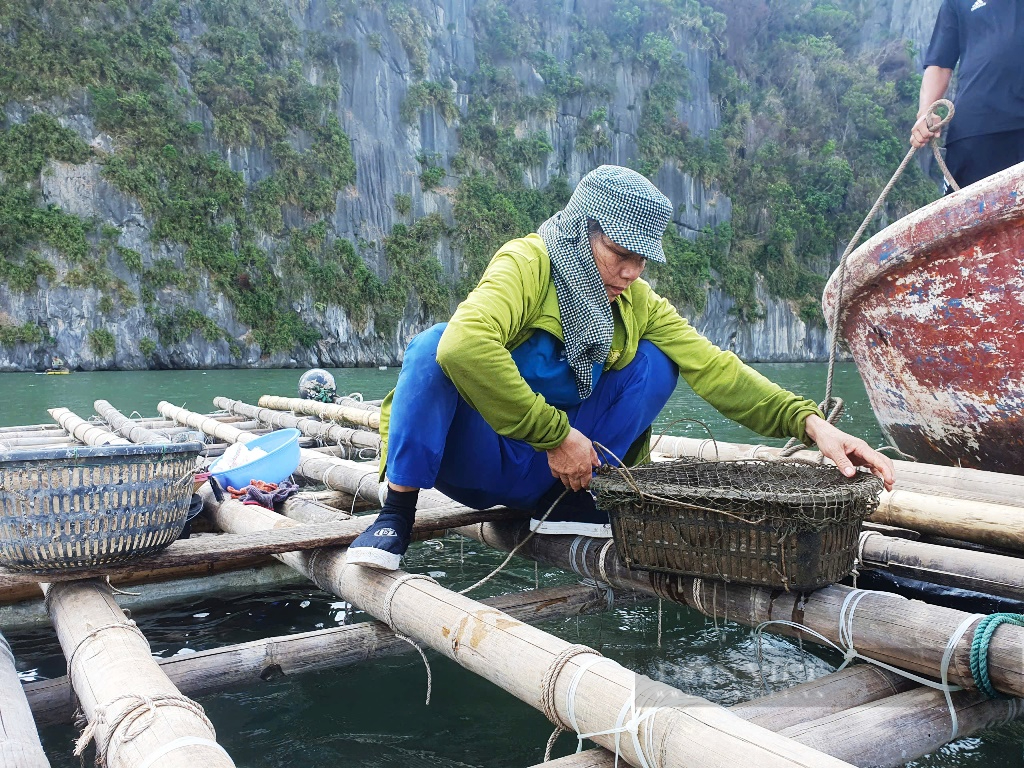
pixel 124 426
pixel 36 442
pixel 363 405
pixel 337 474
pixel 961 568
pixel 997 525
pixel 202 673
pixel 903 727
pixel 884 733
pixel 19 740
pixel 905 633
pixel 25 428
pixel 135 713
pixel 83 431
pixel 329 431
pixel 370 419
pixel 527 662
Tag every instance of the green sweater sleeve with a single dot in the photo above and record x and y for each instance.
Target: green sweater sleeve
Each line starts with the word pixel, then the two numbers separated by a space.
pixel 734 389
pixel 473 353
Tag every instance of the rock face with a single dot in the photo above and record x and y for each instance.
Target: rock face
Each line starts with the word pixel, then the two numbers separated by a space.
pixel 376 78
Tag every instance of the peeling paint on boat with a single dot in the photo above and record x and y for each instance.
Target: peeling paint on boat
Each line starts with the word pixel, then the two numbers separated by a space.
pixel 933 314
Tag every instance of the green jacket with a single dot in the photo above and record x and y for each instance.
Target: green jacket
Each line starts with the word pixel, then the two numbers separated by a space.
pixel 516 296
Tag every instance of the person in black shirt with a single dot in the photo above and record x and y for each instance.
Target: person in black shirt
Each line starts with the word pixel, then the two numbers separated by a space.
pixel 987 133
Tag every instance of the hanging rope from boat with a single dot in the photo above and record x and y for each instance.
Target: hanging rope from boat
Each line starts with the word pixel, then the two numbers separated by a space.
pixel 830 405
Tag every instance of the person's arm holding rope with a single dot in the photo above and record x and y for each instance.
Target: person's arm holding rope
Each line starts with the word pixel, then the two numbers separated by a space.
pixel 933 87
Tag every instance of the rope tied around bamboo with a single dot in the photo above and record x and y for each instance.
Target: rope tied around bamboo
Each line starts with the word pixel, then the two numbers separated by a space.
pixel 136 716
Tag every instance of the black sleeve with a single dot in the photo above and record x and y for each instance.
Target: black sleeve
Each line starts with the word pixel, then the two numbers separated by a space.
pixel 944 49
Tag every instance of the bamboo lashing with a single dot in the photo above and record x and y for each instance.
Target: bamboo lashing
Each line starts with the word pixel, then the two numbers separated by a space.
pixel 880 624
pixel 205 672
pixel 19 740
pixel 84 431
pixel 516 657
pixel 361 416
pixel 328 431
pixel 122 425
pixel 134 712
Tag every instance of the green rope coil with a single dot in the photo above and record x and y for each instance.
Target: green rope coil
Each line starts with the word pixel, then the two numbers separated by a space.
pixel 979 650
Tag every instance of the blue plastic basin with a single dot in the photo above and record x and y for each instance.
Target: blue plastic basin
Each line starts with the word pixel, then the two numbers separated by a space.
pixel 282 458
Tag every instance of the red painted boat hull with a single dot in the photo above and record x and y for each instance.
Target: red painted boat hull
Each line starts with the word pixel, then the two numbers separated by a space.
pixel 932 309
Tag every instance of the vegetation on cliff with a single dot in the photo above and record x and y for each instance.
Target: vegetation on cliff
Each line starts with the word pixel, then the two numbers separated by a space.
pixel 812 122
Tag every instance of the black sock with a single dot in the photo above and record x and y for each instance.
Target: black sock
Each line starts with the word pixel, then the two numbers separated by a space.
pixel 401 503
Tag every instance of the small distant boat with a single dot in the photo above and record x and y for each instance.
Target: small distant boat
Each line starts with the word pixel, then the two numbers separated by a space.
pixel 932 309
pixel 53 372
pixel 382 367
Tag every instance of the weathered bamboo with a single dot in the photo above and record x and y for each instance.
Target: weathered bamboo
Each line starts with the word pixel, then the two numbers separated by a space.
pixel 996 525
pixel 892 731
pixel 135 713
pixel 328 431
pixel 200 550
pixel 26 428
pixel 31 614
pixel 962 568
pixel 885 733
pixel 83 431
pixel 202 673
pixel 823 696
pixel 370 419
pixel 363 405
pixel 904 633
pixel 19 740
pixel 528 662
pixel 124 426
pixel 36 442
pixel 337 474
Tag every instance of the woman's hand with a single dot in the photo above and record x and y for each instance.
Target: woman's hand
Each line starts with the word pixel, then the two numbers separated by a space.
pixel 574 460
pixel 846 450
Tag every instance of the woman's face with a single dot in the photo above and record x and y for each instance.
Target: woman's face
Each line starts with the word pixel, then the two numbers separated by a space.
pixel 617 266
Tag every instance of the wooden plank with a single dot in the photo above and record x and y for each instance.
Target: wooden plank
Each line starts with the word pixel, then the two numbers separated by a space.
pixel 19 740
pixel 201 550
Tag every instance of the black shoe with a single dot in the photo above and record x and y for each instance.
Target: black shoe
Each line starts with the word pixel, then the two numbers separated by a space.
pixel 575 515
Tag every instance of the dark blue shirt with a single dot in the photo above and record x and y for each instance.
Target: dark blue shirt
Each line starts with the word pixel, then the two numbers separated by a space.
pixel 987 37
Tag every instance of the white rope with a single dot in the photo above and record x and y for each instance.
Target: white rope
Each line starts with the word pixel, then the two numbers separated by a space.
pixel 632 727
pixel 849 651
pixel 185 741
pixel 389 598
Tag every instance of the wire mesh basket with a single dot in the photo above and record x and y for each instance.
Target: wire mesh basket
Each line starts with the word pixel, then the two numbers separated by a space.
pixel 72 508
pixel 788 524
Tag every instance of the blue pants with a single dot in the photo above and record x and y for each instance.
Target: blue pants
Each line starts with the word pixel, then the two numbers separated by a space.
pixel 436 440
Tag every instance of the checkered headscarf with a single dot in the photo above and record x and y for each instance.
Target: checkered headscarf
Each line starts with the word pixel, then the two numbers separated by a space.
pixel 633 214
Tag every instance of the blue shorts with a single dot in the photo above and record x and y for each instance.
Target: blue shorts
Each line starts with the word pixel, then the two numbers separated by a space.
pixel 436 440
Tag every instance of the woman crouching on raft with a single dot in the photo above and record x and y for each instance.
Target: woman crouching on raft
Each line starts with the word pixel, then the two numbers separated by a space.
pixel 560 345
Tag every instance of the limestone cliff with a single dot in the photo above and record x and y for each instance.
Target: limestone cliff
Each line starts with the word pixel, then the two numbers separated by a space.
pixel 377 60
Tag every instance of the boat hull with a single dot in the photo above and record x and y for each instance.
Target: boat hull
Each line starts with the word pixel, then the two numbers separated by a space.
pixel 932 310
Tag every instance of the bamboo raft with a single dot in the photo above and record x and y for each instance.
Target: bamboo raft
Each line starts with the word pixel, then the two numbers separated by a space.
pixel 945 526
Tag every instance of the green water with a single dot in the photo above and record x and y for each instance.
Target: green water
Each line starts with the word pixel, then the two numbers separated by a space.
pixel 373 715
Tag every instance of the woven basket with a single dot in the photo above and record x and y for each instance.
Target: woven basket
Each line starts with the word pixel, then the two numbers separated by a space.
pixel 785 524
pixel 71 508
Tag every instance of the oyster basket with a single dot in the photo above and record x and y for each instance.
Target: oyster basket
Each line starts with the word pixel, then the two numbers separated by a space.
pixel 786 524
pixel 72 508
